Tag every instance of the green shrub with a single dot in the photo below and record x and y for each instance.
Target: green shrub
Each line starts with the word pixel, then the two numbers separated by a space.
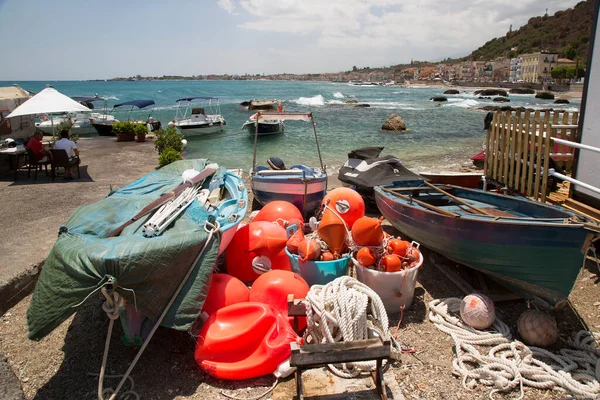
pixel 123 127
pixel 140 129
pixel 169 138
pixel 168 156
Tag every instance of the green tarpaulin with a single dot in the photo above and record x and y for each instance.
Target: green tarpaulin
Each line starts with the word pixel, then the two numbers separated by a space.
pixel 83 259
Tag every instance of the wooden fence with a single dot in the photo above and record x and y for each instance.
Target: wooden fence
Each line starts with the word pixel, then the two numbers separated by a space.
pixel 519 147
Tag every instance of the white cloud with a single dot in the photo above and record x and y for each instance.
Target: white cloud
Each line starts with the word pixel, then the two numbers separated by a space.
pixel 226 5
pixel 425 26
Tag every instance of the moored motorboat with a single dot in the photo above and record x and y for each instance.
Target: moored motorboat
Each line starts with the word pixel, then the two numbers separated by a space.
pixel 264 126
pixel 533 248
pixel 200 120
pixel 259 105
pixel 301 185
pixel 104 124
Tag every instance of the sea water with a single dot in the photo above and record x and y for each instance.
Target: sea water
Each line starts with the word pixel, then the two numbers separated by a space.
pixel 443 136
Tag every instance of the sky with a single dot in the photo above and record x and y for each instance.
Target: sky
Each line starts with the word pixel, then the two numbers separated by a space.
pixel 75 40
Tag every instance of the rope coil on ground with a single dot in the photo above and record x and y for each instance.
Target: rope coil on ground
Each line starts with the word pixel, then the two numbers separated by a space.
pixel 345 309
pixel 510 364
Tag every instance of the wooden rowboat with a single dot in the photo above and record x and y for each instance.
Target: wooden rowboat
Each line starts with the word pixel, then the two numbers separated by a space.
pixel 533 248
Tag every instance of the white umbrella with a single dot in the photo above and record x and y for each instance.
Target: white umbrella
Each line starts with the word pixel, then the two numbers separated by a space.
pixel 48 101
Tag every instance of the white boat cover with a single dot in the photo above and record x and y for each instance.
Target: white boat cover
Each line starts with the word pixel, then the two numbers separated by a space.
pixel 283 116
pixel 48 101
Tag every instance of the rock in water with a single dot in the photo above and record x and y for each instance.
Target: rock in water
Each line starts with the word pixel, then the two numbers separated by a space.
pixel 478 311
pixel 451 91
pixel 394 123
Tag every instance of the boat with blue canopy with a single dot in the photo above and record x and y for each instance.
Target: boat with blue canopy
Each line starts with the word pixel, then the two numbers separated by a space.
pixel 104 127
pixel 534 249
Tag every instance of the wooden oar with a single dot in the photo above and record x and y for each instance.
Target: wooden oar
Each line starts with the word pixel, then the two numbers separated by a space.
pixel 456 199
pixel 156 204
pixel 422 203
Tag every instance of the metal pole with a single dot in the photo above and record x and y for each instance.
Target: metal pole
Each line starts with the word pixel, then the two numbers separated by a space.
pixel 255 143
pixel 576 145
pixel 312 120
pixel 552 172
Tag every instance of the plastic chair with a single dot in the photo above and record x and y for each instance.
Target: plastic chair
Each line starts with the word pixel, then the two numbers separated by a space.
pixel 34 163
pixel 61 159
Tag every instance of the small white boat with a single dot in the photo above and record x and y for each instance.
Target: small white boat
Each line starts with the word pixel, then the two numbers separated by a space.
pixel 301 185
pixel 206 118
pixel 81 123
pixel 264 126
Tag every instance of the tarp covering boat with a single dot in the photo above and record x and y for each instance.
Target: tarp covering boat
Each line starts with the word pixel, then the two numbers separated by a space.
pixel 146 271
pixel 283 116
pixel 136 103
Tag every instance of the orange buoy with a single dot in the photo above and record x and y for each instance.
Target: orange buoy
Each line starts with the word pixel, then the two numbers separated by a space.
pixel 347 203
pixel 309 250
pixel 281 212
pixel 327 256
pixel 392 263
pixel 244 340
pixel 367 231
pixel 244 264
pixel 399 247
pixel 224 290
pixel 266 238
pixel 332 230
pixel 366 257
pixel 294 241
pixel 273 288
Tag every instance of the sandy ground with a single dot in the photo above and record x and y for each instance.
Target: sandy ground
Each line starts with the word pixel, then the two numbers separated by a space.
pixel 62 365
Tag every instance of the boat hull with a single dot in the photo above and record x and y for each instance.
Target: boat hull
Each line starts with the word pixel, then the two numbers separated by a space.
pixel 468 180
pixel 305 193
pixel 265 128
pixel 200 129
pixel 104 129
pixel 537 259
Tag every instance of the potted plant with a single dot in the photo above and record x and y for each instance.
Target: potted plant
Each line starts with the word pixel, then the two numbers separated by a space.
pixel 140 131
pixel 124 131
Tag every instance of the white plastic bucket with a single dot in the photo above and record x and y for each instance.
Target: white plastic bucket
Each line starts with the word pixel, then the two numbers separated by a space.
pixel 396 289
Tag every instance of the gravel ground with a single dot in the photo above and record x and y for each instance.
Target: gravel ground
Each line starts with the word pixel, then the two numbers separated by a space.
pixel 60 365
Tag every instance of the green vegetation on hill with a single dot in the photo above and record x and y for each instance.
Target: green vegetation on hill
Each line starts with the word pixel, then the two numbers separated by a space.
pixel 566 32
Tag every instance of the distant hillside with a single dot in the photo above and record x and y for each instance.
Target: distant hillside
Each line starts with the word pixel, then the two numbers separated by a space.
pixel 566 32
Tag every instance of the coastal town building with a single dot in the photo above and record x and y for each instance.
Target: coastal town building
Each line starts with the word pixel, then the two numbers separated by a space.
pixel 537 66
pixel 516 69
pixel 501 69
pixel 565 62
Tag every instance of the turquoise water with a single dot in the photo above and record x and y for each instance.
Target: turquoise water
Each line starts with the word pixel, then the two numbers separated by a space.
pixel 442 136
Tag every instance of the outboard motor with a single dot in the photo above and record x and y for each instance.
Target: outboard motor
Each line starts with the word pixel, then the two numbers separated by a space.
pixel 276 163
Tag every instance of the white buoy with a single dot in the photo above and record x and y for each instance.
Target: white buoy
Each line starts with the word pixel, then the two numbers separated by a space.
pixel 477 311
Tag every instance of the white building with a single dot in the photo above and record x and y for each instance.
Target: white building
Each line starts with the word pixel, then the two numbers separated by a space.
pixel 516 69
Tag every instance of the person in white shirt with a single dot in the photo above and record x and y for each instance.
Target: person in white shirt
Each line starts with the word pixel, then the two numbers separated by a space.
pixel 71 148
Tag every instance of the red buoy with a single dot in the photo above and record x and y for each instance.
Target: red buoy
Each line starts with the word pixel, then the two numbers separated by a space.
pixel 282 212
pixel 294 241
pixel 224 290
pixel 273 288
pixel 347 203
pixel 244 340
pixel 399 247
pixel 392 263
pixel 333 232
pixel 243 263
pixel 367 231
pixel 366 257
pixel 309 250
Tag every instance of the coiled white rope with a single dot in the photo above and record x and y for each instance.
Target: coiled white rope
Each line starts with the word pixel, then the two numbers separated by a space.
pixel 509 363
pixel 111 307
pixel 345 309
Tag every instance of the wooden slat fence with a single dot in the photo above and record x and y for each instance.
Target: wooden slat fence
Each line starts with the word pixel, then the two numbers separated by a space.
pixel 521 148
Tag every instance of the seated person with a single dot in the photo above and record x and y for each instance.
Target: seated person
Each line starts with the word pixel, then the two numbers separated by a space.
pixel 35 144
pixel 71 148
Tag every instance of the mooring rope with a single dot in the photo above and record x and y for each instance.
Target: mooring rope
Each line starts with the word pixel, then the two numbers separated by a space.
pixel 111 307
pixel 345 309
pixel 509 363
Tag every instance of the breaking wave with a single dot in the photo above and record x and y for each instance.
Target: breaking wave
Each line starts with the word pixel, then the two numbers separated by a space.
pixel 338 95
pixel 317 100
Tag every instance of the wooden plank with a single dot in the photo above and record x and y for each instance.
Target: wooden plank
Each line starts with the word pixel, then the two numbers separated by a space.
pixel 510 170
pixel 518 151
pixel 548 147
pixel 334 353
pixel 583 208
pixel 524 144
pixel 575 121
pixel 506 152
pixel 539 151
pixel 422 203
pixel 496 133
pixel 487 155
pixel 531 152
pixel 456 199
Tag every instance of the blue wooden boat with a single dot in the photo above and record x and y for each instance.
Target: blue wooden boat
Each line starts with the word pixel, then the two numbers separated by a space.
pixel 533 248
pixel 299 184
